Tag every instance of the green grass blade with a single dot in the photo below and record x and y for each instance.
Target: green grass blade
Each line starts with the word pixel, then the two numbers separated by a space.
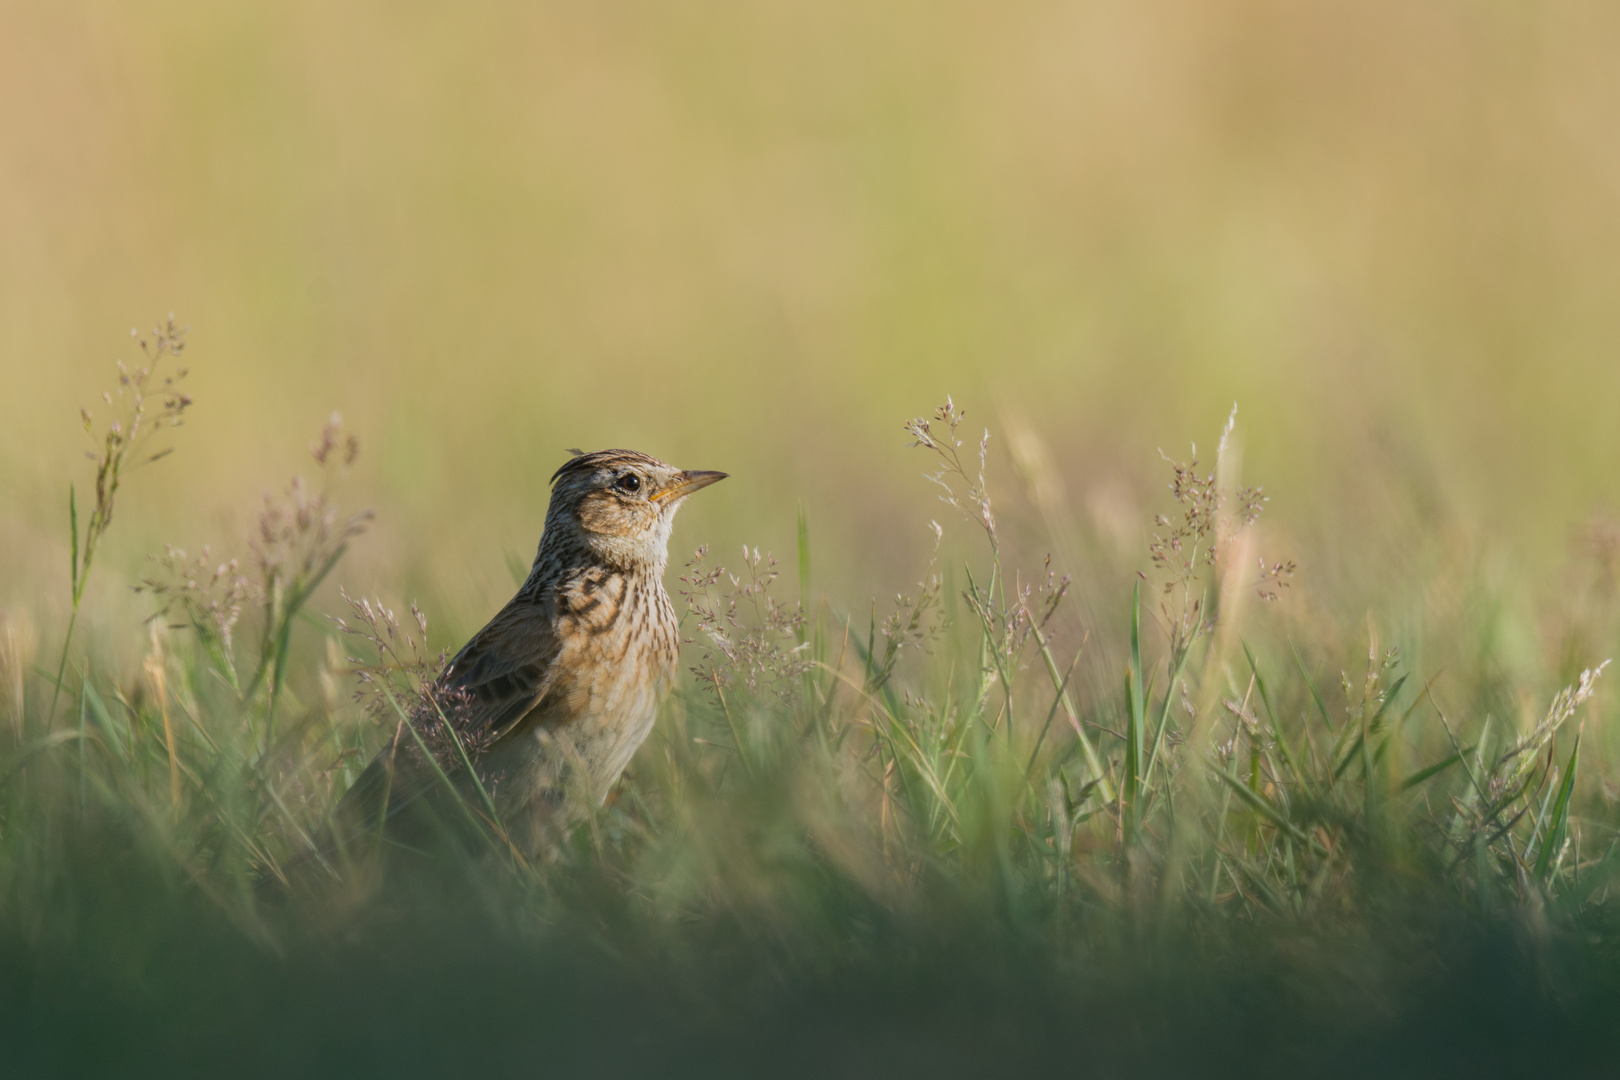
pixel 1321 707
pixel 1060 683
pixel 1558 827
pixel 804 560
pixel 1057 699
pixel 1164 714
pixel 97 711
pixel 457 796
pixel 1276 724
pixel 1263 806
pixel 869 663
pixel 73 537
pixel 1370 726
pixel 1134 720
pixel 1433 770
pixel 466 763
pixel 1541 815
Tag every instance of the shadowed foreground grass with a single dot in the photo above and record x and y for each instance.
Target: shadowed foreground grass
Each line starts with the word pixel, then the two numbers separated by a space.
pixel 1429 990
pixel 911 842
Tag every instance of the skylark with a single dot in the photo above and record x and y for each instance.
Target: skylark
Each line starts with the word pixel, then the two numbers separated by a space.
pixel 551 699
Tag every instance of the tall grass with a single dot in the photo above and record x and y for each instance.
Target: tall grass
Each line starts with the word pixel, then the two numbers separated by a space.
pixel 900 820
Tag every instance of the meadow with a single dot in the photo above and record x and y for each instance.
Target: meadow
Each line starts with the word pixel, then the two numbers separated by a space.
pixel 957 830
pixel 1276 738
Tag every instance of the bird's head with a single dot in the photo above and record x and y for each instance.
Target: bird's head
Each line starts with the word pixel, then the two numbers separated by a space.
pixel 619 504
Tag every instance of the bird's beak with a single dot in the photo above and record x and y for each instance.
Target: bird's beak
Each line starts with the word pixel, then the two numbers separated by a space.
pixel 688 482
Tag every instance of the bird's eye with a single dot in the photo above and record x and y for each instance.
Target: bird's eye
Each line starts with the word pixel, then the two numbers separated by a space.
pixel 628 482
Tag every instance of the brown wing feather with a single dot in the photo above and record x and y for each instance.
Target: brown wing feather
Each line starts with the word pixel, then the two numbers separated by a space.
pixel 505 671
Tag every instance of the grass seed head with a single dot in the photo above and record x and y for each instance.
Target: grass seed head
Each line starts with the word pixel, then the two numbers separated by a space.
pixel 746 635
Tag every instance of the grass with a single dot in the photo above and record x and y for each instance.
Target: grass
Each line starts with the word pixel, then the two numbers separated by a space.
pixel 948 835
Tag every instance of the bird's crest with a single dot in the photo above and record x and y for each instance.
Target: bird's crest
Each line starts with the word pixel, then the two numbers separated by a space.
pixel 598 458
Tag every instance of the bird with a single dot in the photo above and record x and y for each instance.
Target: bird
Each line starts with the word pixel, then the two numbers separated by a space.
pixel 547 703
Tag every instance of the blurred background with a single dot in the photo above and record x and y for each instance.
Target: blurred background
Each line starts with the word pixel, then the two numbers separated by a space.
pixel 758 236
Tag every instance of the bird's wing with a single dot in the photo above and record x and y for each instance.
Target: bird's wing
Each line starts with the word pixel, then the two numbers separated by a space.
pixel 503 674
pixel 505 670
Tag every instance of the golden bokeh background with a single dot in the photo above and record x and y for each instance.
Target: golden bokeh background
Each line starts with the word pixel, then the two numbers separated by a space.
pixel 756 236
